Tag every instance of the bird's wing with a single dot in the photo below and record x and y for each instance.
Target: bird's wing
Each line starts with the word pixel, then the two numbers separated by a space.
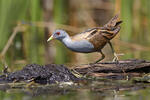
pixel 108 31
pixel 85 35
pixel 105 33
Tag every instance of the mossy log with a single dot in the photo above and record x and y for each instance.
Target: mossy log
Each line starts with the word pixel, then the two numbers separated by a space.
pixel 53 73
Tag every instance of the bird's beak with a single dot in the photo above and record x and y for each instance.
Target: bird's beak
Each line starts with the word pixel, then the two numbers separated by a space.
pixel 50 38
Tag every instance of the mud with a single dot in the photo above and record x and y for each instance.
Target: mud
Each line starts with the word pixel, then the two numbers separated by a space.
pixel 46 74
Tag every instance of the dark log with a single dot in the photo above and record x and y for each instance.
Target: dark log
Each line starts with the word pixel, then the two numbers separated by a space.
pixel 124 66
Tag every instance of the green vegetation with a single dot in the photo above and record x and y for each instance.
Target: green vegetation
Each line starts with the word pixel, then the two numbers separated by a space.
pixel 27 46
pixel 23 38
pixel 135 27
pixel 61 16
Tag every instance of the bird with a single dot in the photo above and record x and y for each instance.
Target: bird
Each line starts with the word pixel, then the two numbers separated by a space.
pixel 90 40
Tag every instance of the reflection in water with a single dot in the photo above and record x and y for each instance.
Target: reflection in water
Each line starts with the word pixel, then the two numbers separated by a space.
pixel 99 89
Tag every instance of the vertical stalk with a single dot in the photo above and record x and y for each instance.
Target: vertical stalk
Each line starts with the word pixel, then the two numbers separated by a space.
pixel 33 43
pixel 145 25
pixel 126 30
pixel 126 12
pixel 61 8
pixel 10 13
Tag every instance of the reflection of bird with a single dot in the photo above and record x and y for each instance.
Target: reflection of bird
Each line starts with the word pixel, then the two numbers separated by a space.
pixel 92 40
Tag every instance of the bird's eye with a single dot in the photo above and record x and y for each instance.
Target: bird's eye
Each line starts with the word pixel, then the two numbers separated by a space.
pixel 58 33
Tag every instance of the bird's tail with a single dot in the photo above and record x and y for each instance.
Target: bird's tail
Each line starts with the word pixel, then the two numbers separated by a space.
pixel 112 27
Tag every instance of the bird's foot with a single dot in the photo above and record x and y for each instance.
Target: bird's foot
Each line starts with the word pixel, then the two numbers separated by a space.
pixel 116 58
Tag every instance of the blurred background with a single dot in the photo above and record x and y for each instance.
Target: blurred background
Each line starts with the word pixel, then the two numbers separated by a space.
pixel 25 25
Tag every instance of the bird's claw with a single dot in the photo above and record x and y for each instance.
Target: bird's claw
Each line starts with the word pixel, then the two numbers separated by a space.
pixel 116 58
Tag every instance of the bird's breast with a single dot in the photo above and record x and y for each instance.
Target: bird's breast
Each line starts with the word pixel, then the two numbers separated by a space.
pixel 82 46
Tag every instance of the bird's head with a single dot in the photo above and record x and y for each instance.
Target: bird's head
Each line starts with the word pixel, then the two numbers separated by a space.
pixel 58 34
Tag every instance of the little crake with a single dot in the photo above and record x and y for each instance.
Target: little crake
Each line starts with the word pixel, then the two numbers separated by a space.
pixel 82 45
pixel 91 40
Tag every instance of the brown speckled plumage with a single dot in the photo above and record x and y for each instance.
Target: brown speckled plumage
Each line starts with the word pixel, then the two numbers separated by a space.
pixel 99 36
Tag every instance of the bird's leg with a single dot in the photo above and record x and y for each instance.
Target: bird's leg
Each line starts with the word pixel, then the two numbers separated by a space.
pixel 102 57
pixel 115 55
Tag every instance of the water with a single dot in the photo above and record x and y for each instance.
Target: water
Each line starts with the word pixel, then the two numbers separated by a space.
pixel 91 89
